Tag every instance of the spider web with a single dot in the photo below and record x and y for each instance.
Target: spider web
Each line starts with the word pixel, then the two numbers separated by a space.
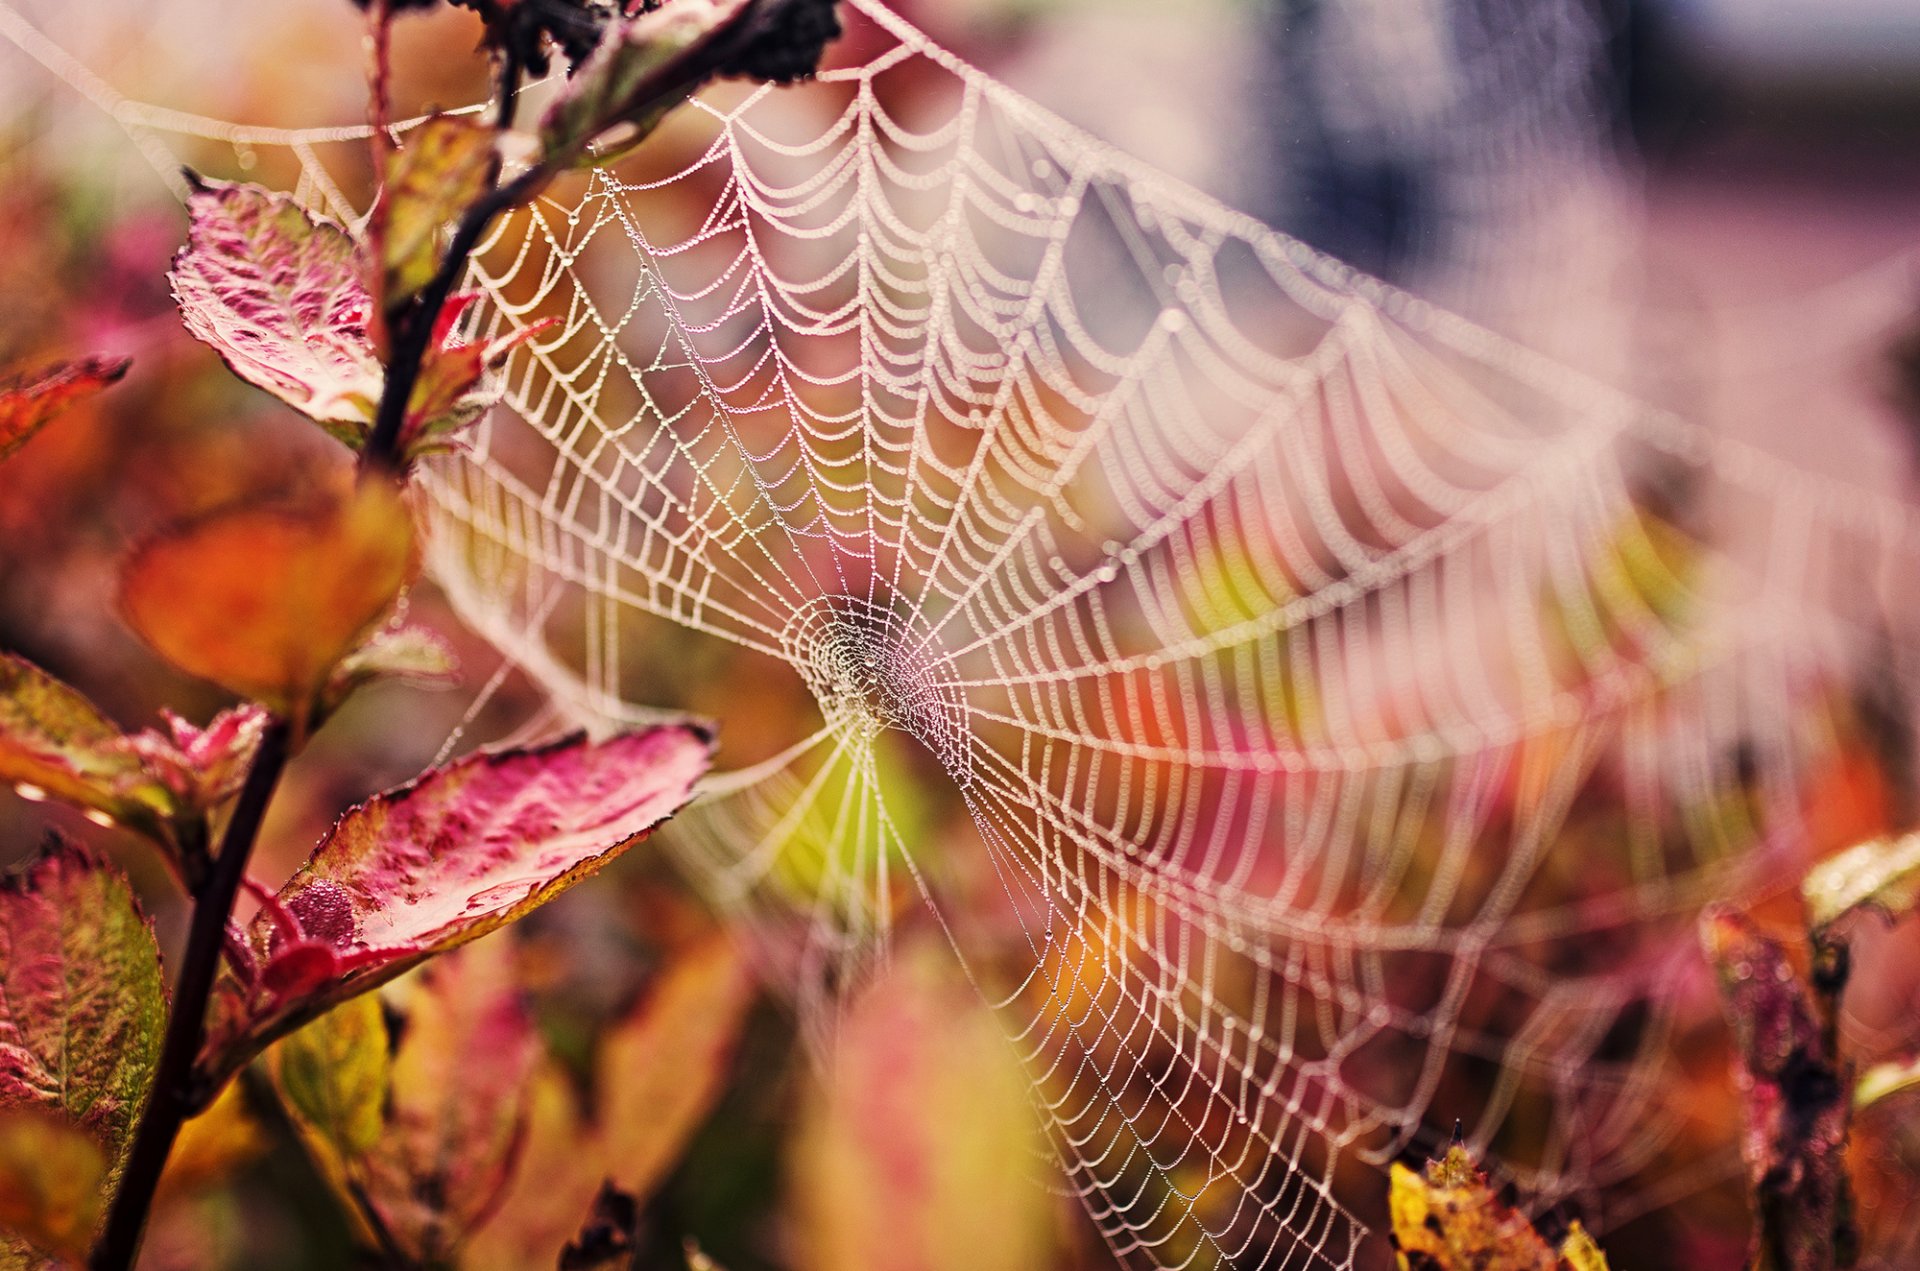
pixel 1313 719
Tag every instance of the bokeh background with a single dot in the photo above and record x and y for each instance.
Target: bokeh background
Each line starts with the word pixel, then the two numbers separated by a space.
pixel 1713 204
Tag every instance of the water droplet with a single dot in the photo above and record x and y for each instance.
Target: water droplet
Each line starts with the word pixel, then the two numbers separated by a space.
pixel 99 818
pixel 31 793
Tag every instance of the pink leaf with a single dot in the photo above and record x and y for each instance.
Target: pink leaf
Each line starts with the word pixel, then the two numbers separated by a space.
pixel 283 299
pixel 459 852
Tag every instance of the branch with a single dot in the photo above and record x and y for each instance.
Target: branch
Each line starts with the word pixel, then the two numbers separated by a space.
pixel 173 1096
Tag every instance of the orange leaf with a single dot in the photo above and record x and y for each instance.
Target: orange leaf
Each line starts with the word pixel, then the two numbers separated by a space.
pixel 27 402
pixel 264 601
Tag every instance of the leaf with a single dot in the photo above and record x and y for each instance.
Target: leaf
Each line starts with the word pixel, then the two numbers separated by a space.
pixel 1882 874
pixel 282 298
pixel 1884 1080
pixel 52 1183
pixel 1796 1105
pixel 82 1007
pixel 29 402
pixel 445 167
pixel 923 1126
pixel 451 392
pixel 1447 1218
pixel 416 1117
pixel 54 743
pixel 413 654
pixel 265 601
pixel 215 1143
pixel 202 767
pixel 552 1187
pixel 660 1070
pixel 458 852
pixel 620 84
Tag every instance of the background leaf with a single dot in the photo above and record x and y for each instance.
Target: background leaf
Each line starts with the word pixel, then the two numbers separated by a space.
pixel 282 298
pixel 29 402
pixel 1883 874
pixel 922 1126
pixel 416 1117
pixel 661 1068
pixel 266 601
pixel 52 1181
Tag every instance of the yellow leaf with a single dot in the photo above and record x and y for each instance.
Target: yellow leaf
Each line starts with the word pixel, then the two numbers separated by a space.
pixel 662 1067
pixel 52 1181
pixel 264 601
pixel 444 167
pixel 924 1125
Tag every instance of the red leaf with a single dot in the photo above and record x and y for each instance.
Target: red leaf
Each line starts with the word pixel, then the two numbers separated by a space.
pixel 459 852
pixel 282 298
pixel 28 402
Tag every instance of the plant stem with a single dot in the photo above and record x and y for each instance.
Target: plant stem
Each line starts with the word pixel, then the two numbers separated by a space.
pixel 172 1096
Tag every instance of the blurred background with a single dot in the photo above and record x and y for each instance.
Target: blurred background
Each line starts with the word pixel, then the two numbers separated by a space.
pixel 1711 204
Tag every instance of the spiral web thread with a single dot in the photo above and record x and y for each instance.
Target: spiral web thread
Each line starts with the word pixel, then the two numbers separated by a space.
pixel 1349 708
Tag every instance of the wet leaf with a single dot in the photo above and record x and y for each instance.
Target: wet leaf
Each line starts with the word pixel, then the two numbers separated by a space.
pixel 1447 1218
pixel 266 601
pixel 661 1068
pixel 29 402
pixel 459 852
pixel 282 298
pixel 82 1007
pixel 416 1116
pixel 52 1183
pixel 924 1125
pixel 446 166
pixel 1882 874
pixel 54 743
pixel 1796 1105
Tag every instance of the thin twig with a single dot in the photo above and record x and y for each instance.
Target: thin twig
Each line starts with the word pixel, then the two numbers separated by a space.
pixel 172 1096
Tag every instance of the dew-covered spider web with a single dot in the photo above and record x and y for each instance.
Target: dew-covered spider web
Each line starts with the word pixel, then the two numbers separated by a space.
pixel 1314 719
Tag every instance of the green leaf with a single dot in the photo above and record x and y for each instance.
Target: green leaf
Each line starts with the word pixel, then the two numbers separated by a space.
pixel 923 1125
pixel 333 1076
pixel 460 851
pixel 52 1183
pixel 446 166
pixel 82 1006
pixel 29 402
pixel 1882 874
pixel 281 296
pixel 54 743
pixel 416 1116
